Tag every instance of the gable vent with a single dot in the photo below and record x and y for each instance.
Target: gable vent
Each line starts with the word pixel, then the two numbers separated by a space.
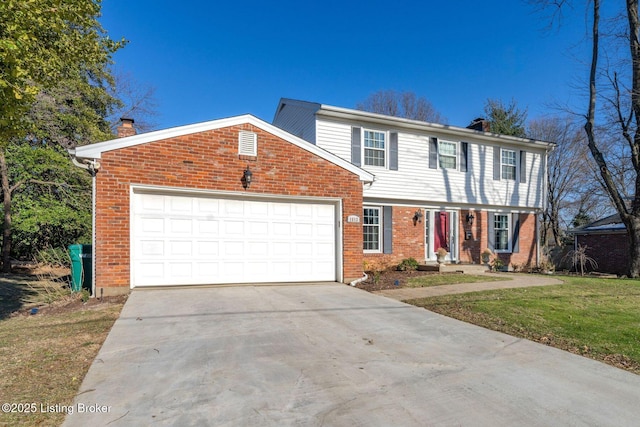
pixel 247 143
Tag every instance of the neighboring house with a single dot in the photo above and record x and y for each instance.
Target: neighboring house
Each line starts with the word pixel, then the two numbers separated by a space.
pixel 306 199
pixel 435 186
pixel 607 242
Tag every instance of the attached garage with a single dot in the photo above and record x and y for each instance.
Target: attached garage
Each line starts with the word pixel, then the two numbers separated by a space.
pixel 173 207
pixel 183 239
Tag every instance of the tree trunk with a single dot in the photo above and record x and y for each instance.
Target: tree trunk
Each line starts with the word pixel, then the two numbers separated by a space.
pixel 6 230
pixel 633 229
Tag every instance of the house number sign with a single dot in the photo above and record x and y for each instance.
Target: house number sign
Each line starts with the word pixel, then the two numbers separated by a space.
pixel 353 218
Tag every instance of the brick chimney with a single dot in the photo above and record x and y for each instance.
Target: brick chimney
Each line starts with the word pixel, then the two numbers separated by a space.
pixel 126 128
pixel 480 124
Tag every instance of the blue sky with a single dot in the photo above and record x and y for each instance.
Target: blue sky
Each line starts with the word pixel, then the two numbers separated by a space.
pixel 213 59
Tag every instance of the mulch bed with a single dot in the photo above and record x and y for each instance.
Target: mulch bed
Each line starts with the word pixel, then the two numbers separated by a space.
pixel 391 279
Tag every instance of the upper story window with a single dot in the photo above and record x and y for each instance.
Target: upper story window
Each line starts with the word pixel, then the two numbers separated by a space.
pixel 448 155
pixel 508 164
pixel 374 148
pixel 501 232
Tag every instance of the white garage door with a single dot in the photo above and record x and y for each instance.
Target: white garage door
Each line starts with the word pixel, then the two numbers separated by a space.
pixel 180 240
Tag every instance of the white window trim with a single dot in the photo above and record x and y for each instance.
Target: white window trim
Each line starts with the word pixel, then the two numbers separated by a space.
pixel 509 234
pixel 456 156
pixel 380 229
pixel 515 165
pixel 385 150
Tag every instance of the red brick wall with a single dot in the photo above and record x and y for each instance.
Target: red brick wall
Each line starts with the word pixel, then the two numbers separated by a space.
pixel 210 161
pixel 610 251
pixel 471 250
pixel 407 240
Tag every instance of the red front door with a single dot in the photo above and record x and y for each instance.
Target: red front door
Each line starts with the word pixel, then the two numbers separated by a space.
pixel 441 231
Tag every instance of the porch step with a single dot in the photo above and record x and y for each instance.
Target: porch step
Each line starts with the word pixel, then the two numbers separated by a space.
pixel 454 268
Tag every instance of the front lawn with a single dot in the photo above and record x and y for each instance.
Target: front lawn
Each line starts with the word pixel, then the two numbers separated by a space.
pixel 597 318
pixel 45 356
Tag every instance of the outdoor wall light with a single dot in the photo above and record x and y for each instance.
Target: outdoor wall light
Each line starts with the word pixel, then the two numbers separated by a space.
pixel 417 217
pixel 470 218
pixel 247 175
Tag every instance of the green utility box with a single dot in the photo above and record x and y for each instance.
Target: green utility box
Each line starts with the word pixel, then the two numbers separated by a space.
pixel 81 267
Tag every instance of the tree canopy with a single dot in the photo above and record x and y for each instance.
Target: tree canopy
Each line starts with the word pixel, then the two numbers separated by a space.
pixel 55 90
pixel 506 119
pixel 43 42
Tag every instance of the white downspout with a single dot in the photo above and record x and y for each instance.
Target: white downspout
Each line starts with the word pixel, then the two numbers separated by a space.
pixel 93 235
pixel 362 279
pixel 92 166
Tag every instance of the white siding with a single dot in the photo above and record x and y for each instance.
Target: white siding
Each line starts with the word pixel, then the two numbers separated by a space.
pixel 415 181
pixel 334 137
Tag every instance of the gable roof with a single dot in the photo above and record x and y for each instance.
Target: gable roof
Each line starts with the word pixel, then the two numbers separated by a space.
pixel 399 122
pixel 94 151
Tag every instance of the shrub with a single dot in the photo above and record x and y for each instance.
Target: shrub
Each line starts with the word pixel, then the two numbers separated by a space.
pixel 497 264
pixel 408 264
pixel 579 258
pixel 377 265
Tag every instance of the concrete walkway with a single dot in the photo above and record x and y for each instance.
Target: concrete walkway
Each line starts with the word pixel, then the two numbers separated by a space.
pixel 517 281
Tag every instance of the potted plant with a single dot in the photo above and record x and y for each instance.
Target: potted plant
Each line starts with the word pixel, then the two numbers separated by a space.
pixel 441 253
pixel 486 256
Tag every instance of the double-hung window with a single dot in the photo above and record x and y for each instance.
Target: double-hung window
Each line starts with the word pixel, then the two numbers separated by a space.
pixel 371 229
pixel 501 232
pixel 448 155
pixel 374 148
pixel 508 164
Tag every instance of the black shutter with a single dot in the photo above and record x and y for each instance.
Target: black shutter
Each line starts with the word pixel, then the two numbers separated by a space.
pixel 523 166
pixel 515 243
pixel 433 153
pixel 355 146
pixel 491 235
pixel 464 152
pixel 387 230
pixel 393 151
pixel 497 172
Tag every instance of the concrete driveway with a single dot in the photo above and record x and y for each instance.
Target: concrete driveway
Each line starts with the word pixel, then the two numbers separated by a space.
pixel 333 355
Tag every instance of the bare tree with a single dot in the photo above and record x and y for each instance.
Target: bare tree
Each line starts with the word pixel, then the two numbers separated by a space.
pixel 567 170
pixel 401 104
pixel 613 110
pixel 136 101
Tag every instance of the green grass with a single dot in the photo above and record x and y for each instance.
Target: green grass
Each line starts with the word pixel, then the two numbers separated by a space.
pixel 449 279
pixel 597 318
pixel 44 357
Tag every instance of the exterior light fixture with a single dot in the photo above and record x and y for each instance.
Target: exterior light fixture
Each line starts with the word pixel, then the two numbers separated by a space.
pixel 247 175
pixel 417 217
pixel 470 218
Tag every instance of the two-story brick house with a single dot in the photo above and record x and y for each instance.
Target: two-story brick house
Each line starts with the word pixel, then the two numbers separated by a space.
pixel 435 186
pixel 305 199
